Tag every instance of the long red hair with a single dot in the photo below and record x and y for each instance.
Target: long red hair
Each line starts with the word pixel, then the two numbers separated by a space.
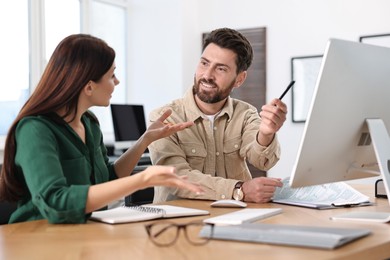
pixel 77 59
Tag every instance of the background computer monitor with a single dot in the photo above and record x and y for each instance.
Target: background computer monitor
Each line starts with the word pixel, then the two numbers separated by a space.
pixel 129 124
pixel 353 85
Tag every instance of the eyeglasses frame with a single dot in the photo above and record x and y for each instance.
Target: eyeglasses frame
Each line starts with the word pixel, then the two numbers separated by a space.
pixel 178 226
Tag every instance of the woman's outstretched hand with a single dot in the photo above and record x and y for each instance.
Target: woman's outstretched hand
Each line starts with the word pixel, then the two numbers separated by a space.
pixel 166 176
pixel 160 129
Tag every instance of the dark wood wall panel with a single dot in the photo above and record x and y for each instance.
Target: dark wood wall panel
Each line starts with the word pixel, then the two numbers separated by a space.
pixel 254 89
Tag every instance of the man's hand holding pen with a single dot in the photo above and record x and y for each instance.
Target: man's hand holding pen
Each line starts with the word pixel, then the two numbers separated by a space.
pixel 273 116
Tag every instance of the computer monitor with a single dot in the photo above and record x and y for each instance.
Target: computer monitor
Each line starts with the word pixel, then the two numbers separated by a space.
pixel 345 136
pixel 129 124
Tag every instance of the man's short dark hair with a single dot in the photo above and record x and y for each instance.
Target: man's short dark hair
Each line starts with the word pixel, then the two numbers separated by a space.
pixel 233 40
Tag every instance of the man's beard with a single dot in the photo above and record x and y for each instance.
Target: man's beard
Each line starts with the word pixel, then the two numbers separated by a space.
pixel 208 97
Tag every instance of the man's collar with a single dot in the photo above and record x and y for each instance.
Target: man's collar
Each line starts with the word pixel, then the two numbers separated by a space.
pixel 193 111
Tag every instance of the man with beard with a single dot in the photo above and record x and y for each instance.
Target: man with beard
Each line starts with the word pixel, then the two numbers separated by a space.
pixel 226 131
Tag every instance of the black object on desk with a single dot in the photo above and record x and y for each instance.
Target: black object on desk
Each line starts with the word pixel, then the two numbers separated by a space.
pixel 140 197
pixel 380 191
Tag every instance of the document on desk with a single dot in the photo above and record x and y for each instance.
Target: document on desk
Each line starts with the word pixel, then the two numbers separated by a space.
pixel 291 235
pixel 325 196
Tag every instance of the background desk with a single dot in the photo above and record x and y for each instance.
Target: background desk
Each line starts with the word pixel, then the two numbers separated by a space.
pixel 40 240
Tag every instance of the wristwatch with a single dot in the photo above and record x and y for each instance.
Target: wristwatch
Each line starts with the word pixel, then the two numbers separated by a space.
pixel 238 194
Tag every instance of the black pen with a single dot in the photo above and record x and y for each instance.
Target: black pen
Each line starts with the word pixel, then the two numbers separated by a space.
pixel 287 89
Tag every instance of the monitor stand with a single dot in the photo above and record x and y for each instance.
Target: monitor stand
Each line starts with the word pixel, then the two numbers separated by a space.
pixel 381 143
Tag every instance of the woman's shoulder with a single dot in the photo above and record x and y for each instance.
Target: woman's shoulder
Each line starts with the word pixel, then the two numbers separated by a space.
pixel 38 123
pixel 32 127
pixel 33 120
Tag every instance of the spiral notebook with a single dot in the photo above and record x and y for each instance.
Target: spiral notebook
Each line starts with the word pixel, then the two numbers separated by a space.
pixel 126 214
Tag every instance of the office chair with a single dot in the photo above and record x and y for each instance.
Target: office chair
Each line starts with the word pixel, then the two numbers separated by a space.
pixel 6 209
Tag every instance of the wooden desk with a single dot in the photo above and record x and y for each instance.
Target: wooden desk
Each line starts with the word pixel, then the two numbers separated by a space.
pixel 40 240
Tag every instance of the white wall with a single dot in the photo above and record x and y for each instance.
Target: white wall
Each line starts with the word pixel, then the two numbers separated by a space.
pixel 167 59
pixel 156 52
pixel 165 36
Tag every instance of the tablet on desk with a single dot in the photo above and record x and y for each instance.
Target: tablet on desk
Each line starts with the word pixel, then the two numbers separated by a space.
pixel 289 235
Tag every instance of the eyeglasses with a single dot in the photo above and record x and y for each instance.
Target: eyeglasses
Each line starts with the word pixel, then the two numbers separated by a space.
pixel 166 233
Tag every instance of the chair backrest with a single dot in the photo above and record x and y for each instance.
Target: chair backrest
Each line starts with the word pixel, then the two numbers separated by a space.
pixel 6 209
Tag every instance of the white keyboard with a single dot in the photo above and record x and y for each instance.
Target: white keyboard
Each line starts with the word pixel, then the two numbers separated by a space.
pixel 243 216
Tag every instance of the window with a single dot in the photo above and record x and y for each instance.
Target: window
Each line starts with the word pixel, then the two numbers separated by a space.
pixel 37 28
pixel 56 12
pixel 14 62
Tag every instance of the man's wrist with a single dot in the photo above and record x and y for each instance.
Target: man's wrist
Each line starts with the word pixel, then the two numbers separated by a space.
pixel 264 140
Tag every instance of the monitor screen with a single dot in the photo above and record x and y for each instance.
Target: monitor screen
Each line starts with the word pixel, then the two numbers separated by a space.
pixel 129 124
pixel 353 85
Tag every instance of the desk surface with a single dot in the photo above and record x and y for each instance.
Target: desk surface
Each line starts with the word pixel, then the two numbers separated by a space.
pixel 40 240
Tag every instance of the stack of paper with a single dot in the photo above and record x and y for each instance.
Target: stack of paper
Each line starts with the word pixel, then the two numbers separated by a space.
pixel 325 196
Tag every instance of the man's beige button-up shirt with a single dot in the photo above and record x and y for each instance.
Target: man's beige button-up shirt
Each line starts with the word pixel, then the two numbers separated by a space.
pixel 212 155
